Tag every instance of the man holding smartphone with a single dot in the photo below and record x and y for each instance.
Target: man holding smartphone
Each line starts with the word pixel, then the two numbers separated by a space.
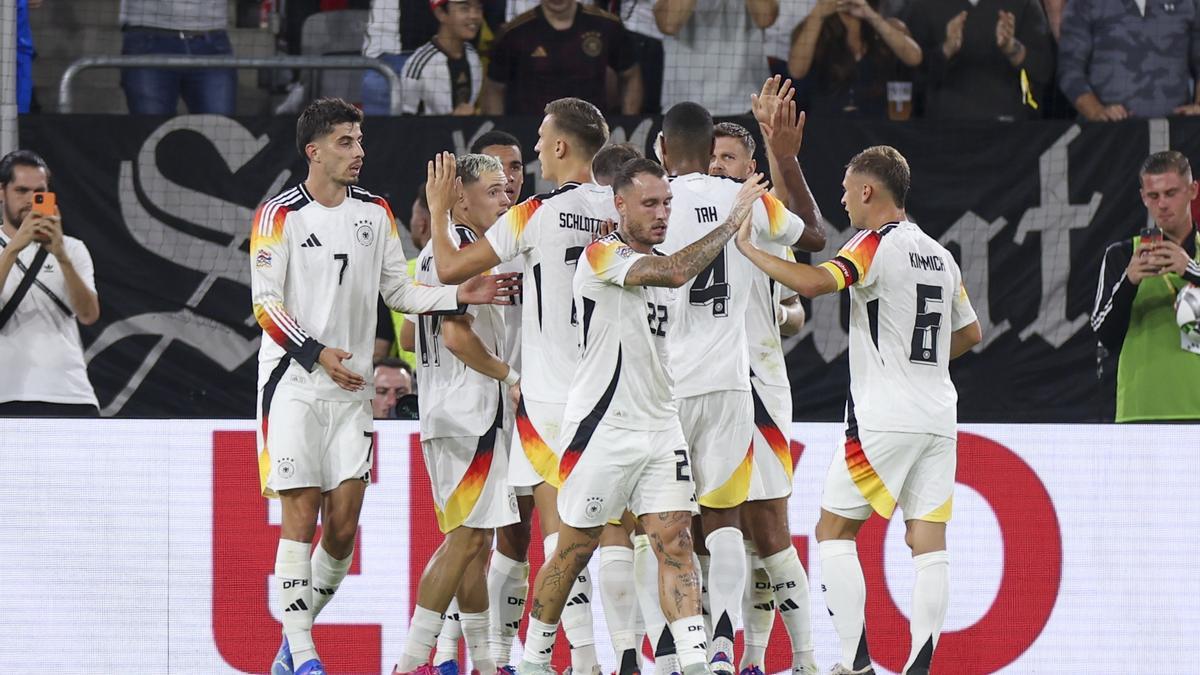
pixel 46 285
pixel 1134 314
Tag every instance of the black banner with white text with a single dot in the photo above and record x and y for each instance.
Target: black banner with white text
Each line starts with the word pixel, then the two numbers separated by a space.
pixel 165 207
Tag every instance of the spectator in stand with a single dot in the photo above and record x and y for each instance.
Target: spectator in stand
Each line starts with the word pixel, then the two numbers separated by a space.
pixel 1134 314
pixel 393 41
pixel 560 49
pixel 1130 58
pixel 177 28
pixel 46 286
pixel 393 380
pixel 846 53
pixel 443 75
pixel 715 51
pixel 985 60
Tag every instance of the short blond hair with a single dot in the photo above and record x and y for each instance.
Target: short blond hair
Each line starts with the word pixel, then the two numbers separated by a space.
pixel 885 164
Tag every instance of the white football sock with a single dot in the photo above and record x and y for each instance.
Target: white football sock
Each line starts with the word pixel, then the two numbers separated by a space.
pixel 790 585
pixel 617 597
pixel 448 637
pixel 726 581
pixel 539 642
pixel 846 597
pixel 689 641
pixel 931 596
pixel 475 631
pixel 422 635
pixel 293 573
pixel 758 611
pixel 508 586
pixel 327 575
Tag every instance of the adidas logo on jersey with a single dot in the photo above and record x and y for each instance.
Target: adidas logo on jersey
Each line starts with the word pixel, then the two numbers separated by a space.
pixel 311 242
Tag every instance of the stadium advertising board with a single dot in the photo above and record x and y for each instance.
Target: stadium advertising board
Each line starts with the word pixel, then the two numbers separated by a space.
pixel 165 206
pixel 143 546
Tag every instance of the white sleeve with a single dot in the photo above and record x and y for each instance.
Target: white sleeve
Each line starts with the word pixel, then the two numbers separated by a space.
pixel 516 230
pixel 81 258
pixel 269 246
pixel 400 292
pixel 411 93
pixel 775 223
pixel 962 314
pixel 611 261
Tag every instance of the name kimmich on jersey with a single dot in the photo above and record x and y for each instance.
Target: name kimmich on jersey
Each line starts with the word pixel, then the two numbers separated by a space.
pixel 906 298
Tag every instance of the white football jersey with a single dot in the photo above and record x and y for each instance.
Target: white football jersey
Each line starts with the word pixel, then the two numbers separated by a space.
pixel 708 345
pixel 621 379
pixel 550 232
pixel 762 325
pixel 315 276
pixel 906 298
pixel 455 400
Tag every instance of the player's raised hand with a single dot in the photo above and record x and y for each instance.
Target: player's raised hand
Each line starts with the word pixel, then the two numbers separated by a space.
pixel 490 289
pixel 785 133
pixel 331 360
pixel 441 183
pixel 775 92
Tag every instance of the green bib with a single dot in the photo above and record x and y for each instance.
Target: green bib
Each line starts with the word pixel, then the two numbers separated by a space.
pixel 398 323
pixel 1156 379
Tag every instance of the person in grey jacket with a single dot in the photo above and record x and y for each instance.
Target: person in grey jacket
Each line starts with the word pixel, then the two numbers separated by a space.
pixel 1130 58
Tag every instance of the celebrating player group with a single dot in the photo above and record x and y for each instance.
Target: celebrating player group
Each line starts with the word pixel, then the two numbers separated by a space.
pixel 610 355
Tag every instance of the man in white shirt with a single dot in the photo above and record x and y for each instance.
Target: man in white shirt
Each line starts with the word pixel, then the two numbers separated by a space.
pixel 623 443
pixel 321 253
pixel 508 569
pixel 715 402
pixel 909 316
pixel 715 51
pixel 46 286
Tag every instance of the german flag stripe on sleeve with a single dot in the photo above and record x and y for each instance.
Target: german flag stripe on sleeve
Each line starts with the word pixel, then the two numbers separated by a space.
pixel 776 214
pixel 519 216
pixel 852 263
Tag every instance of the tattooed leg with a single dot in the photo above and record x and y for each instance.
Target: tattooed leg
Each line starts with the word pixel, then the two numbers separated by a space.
pixel 554 580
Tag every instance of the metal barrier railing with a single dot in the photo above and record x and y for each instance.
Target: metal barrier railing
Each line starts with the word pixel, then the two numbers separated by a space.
pixel 198 62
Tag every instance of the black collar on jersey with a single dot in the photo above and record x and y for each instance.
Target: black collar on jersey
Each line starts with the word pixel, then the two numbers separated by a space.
pixel 888 227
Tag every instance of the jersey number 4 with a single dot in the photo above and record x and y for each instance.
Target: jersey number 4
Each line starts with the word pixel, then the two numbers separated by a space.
pixel 711 287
